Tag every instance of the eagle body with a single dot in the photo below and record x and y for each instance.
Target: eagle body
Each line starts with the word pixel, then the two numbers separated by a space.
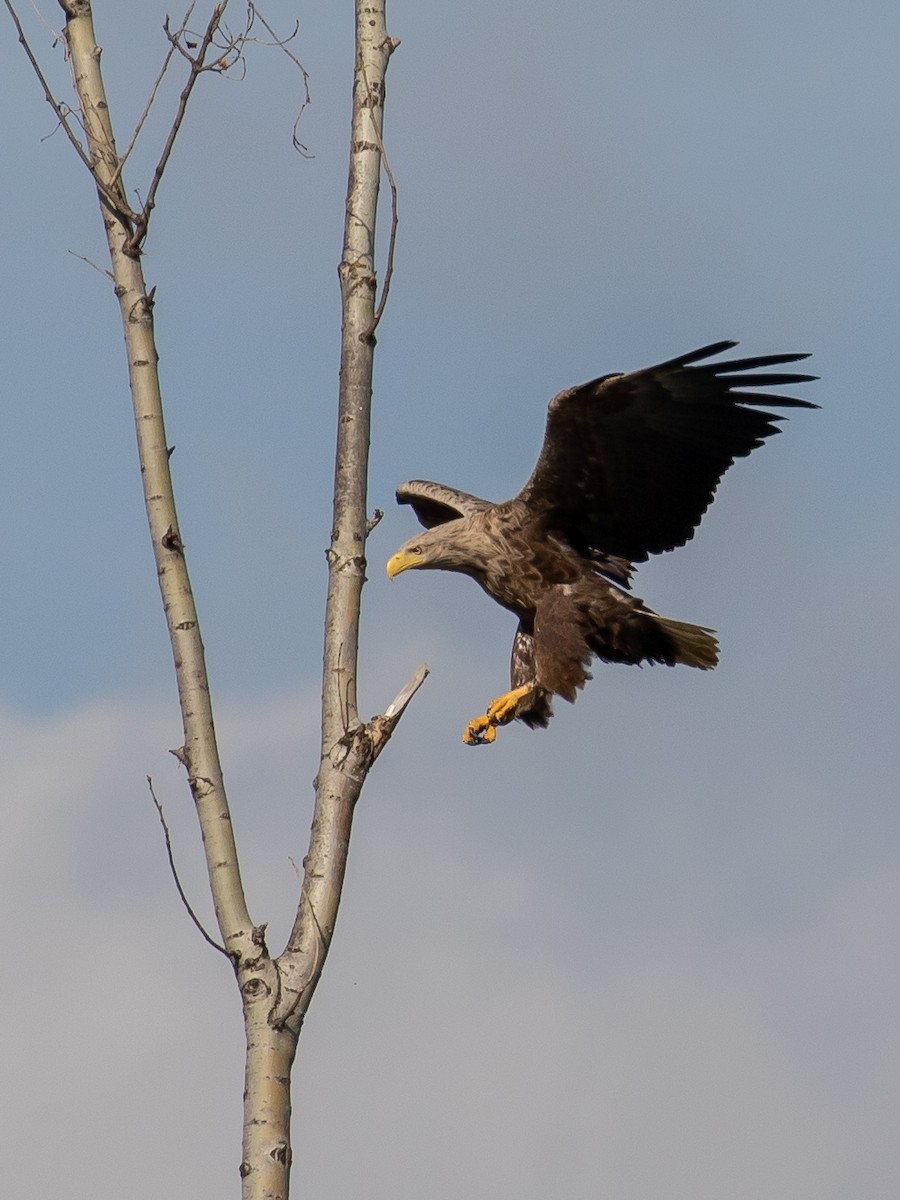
pixel 629 465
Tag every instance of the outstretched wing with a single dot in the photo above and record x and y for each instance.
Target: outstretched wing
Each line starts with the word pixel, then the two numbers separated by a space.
pixel 630 463
pixel 435 504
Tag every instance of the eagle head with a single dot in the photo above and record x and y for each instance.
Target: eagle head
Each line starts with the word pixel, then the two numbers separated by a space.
pixel 453 546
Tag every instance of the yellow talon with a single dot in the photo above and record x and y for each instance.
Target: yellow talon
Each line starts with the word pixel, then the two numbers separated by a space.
pixel 482 730
pixel 479 731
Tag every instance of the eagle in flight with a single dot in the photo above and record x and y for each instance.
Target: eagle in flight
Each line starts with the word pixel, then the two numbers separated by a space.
pixel 629 465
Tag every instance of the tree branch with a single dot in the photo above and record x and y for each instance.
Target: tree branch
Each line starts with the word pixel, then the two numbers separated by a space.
pixel 109 192
pixel 171 857
pixel 392 238
pixel 200 753
pixel 348 746
pixel 197 68
pixel 281 43
pixel 139 125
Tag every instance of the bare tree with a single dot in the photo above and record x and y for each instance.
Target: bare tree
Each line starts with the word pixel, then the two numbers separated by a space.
pixel 276 990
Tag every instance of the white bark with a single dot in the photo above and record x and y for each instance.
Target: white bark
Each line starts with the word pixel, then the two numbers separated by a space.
pixel 348 746
pixel 199 752
pixel 269 1051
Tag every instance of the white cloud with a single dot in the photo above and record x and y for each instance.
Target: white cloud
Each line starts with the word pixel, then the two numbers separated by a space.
pixel 456 1042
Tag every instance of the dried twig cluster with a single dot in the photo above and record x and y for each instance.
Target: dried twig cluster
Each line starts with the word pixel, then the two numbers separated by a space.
pixel 216 49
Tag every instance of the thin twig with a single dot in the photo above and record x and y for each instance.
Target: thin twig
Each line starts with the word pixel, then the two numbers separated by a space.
pixel 393 43
pixel 107 274
pixel 184 900
pixel 197 68
pixel 58 108
pixel 281 43
pixel 392 240
pixel 116 202
pixel 123 157
pixel 54 33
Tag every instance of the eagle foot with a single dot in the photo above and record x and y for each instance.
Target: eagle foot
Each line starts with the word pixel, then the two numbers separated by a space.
pixel 482 730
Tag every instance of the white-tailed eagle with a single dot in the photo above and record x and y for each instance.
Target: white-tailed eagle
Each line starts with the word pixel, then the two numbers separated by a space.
pixel 629 465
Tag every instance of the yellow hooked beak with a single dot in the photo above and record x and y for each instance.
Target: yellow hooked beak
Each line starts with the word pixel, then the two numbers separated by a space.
pixel 400 562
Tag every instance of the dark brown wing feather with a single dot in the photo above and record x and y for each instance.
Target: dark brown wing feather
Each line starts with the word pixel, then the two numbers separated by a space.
pixel 630 463
pixel 435 503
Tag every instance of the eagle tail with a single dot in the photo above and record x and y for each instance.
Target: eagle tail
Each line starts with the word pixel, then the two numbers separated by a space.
pixel 695 645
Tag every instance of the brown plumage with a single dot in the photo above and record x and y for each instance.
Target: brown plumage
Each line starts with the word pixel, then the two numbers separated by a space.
pixel 629 465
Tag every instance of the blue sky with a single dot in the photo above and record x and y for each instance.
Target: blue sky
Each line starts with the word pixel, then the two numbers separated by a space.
pixel 649 952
